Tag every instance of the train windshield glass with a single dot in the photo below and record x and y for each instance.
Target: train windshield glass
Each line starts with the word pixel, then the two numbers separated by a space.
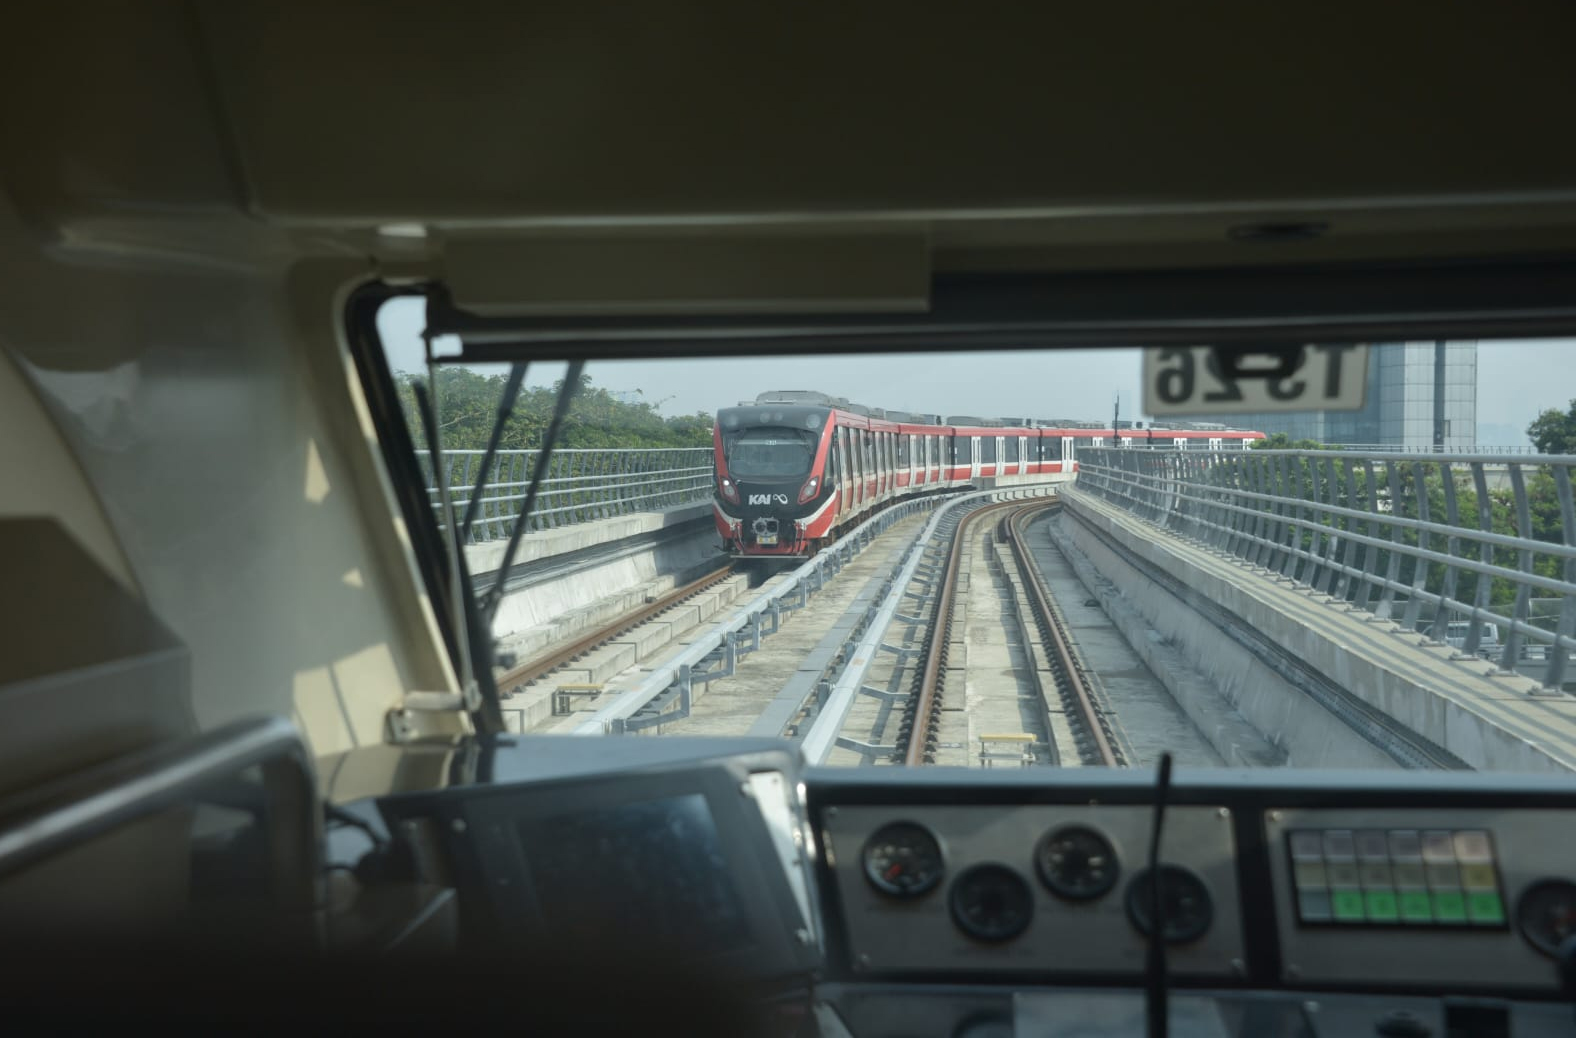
pixel 1383 588
pixel 768 452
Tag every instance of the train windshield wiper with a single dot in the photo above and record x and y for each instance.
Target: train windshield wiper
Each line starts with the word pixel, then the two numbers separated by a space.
pixel 473 616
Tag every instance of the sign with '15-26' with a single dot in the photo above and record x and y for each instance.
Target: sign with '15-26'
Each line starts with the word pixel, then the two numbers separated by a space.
pixel 1196 380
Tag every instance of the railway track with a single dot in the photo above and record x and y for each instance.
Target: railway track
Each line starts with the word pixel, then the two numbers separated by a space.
pixel 1093 727
pixel 542 666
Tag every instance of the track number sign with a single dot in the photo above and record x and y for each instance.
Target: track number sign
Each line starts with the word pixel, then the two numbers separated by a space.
pixel 1195 380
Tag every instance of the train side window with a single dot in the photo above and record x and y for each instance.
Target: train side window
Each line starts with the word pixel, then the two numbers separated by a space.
pixel 1012 449
pixel 965 451
pixel 903 453
pixel 988 449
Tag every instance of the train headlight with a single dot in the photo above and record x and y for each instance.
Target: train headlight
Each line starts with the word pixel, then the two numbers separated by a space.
pixel 807 491
pixel 729 491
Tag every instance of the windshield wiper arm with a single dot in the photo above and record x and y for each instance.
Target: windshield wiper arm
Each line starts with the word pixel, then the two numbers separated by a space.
pixel 566 395
pixel 511 392
pixel 478 691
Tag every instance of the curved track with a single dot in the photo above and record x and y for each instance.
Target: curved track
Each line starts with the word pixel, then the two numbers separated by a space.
pixel 917 736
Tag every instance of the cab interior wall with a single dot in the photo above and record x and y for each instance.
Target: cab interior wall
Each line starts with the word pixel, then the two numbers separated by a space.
pixel 213 415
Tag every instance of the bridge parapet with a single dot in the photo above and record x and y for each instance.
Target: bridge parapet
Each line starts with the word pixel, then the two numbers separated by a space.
pixel 1392 534
pixel 578 486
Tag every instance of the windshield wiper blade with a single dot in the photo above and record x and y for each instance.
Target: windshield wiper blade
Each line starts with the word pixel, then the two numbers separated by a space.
pixel 511 392
pixel 478 691
pixel 566 395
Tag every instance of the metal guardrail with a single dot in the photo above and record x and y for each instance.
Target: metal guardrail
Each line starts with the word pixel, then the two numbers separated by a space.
pixel 1381 530
pixel 580 485
pixel 1393 448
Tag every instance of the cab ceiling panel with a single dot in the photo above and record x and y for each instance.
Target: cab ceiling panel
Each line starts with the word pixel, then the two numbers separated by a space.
pixel 107 107
pixel 573 111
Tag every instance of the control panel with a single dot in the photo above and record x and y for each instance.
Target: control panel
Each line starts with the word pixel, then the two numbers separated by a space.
pixel 985 888
pixel 1457 896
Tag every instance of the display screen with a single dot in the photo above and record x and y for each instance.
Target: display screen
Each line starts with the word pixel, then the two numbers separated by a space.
pixel 651 872
pixel 1396 877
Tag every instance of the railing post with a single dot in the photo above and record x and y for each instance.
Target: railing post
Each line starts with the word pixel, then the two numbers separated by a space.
pixel 1554 674
pixel 1343 585
pixel 1414 602
pixel 1485 583
pixel 1452 548
pixel 1386 607
pixel 1507 660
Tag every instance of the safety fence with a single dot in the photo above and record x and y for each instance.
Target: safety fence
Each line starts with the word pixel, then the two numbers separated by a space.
pixel 579 485
pixel 1420 538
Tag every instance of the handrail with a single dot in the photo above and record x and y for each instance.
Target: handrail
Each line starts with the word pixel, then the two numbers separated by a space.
pixel 45 820
pixel 1358 524
pixel 580 485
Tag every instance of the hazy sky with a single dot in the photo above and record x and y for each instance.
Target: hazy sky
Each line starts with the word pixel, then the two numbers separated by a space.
pixel 1516 378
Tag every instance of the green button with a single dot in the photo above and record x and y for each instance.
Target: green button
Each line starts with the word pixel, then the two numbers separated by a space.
pixel 1484 907
pixel 1450 907
pixel 1348 905
pixel 1415 907
pixel 1381 906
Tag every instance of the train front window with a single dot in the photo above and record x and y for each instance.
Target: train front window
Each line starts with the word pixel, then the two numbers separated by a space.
pixel 767 452
pixel 1415 553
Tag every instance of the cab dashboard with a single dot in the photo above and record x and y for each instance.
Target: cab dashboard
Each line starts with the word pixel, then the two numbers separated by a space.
pixel 968 902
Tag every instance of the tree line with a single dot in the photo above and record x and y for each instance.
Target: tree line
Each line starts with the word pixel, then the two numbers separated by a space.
pixel 468 407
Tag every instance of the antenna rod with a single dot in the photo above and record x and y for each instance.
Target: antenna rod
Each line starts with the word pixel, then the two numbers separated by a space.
pixel 1155 963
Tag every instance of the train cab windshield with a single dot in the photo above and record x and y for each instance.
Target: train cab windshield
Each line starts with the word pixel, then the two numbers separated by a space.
pixel 768 452
pixel 909 496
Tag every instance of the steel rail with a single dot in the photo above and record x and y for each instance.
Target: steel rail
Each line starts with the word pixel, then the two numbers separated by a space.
pixel 1070 667
pixel 925 700
pixel 800 585
pixel 540 667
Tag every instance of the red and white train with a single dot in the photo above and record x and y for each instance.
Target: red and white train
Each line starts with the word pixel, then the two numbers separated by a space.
pixel 796 469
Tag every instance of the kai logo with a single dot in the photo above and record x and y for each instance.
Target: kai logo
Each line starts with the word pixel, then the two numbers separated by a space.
pixel 766 499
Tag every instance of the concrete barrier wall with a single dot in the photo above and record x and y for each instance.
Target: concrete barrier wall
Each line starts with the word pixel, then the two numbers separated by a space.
pixel 1489 723
pixel 1251 715
pixel 584 575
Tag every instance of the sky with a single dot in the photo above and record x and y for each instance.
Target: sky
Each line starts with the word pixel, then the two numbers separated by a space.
pixel 1517 379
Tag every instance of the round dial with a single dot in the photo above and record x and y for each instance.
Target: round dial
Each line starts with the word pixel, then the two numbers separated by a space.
pixel 1184 900
pixel 1076 863
pixel 1546 914
pixel 991 903
pixel 903 859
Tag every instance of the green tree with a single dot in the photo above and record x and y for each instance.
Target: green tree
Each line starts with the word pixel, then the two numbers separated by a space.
pixel 467 405
pixel 1554 431
pixel 1282 442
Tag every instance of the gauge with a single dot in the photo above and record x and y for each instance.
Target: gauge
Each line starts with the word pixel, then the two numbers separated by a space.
pixel 992 903
pixel 1546 914
pixel 903 860
pixel 1076 863
pixel 1183 898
